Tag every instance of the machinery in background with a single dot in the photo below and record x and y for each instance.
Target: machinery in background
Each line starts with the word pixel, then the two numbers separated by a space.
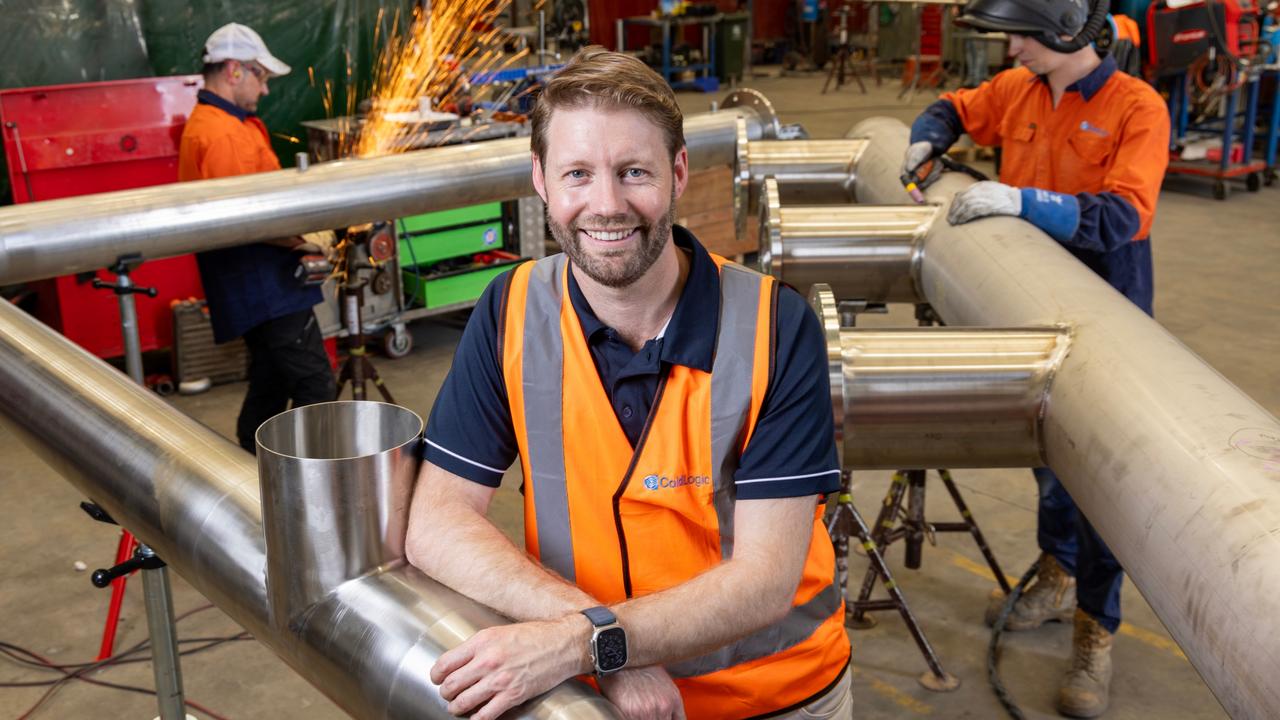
pixel 70 140
pixel 568 27
pixel 1209 57
pixel 435 262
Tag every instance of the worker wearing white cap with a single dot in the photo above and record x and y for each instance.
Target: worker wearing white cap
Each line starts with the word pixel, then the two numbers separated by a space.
pixel 240 58
pixel 251 289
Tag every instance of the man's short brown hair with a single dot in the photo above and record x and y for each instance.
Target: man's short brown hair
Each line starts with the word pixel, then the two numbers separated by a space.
pixel 599 78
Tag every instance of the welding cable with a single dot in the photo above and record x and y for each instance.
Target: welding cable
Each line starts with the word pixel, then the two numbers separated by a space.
pixel 79 671
pixel 993 649
pixel 957 166
pixel 1219 36
pixel 11 651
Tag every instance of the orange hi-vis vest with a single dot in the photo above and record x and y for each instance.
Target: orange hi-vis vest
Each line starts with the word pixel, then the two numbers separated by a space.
pixel 623 522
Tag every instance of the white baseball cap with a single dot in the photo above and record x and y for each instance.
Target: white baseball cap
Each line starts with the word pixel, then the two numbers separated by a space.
pixel 234 41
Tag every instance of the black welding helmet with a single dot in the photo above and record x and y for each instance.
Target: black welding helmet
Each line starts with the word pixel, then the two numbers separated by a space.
pixel 1045 20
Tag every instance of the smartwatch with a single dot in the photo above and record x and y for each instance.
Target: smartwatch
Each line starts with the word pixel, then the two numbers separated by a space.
pixel 608 641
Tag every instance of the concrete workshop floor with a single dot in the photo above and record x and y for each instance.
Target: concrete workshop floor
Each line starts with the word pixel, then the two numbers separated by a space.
pixel 1218 290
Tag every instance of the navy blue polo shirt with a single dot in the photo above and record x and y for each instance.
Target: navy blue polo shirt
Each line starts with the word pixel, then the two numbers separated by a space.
pixel 249 284
pixel 792 450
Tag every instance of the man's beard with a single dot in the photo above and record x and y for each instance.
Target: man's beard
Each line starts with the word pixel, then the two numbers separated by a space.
pixel 635 262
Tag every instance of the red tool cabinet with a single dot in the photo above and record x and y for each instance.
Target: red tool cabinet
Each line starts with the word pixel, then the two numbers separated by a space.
pixel 68 140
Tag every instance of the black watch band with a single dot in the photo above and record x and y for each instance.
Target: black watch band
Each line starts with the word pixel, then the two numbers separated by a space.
pixel 600 616
pixel 608 641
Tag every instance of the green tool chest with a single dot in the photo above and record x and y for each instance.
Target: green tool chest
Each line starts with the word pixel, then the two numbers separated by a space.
pixel 432 237
pixel 440 290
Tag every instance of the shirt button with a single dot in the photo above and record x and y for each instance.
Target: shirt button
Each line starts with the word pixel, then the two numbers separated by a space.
pixel 626 412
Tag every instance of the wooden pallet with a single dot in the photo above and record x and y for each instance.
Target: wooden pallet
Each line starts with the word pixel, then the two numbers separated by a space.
pixel 196 356
pixel 706 209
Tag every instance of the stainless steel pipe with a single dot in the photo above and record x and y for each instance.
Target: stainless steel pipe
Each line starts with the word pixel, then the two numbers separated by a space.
pixel 863 252
pixel 809 172
pixel 336 482
pixel 56 237
pixel 1175 466
pixel 938 397
pixel 193 497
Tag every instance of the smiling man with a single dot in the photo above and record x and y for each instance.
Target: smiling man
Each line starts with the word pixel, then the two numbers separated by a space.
pixel 672 417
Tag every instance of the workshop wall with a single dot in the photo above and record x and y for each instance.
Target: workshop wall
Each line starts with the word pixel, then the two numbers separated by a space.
pixel 76 41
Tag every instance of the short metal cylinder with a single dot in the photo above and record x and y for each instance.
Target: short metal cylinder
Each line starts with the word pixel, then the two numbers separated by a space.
pixel 336 484
pixel 938 397
pixel 809 172
pixel 863 252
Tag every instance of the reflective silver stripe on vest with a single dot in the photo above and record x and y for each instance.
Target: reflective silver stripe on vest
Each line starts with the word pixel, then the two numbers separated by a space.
pixel 731 383
pixel 543 391
pixel 801 622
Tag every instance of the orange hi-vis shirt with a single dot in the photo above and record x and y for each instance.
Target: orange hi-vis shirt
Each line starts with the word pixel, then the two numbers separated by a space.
pixel 245 285
pixel 1114 139
pixel 216 144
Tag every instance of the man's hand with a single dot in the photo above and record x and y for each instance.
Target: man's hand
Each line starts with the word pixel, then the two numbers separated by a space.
pixel 917 155
pixel 646 693
pixel 984 199
pixel 501 667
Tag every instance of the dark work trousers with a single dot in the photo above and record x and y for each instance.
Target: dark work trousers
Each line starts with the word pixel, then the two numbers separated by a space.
pixel 287 362
pixel 1065 534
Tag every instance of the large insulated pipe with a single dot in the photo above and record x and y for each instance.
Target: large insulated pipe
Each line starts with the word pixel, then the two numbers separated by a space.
pixel 1175 466
pixel 57 237
pixel 368 643
pixel 809 172
pixel 863 252
pixel 938 397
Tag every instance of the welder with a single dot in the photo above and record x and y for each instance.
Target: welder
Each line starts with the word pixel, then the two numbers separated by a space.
pixel 1085 148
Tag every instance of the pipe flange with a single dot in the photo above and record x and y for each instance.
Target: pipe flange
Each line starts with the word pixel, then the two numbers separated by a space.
pixel 823 302
pixel 741 178
pixel 770 254
pixel 755 101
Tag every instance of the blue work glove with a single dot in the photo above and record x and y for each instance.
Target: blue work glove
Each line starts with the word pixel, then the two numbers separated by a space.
pixel 1057 214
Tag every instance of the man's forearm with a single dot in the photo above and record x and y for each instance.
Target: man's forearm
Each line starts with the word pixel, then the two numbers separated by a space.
pixel 481 563
pixel 751 591
pixel 708 612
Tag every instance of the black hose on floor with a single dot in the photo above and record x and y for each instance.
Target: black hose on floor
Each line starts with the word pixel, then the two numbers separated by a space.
pixel 993 649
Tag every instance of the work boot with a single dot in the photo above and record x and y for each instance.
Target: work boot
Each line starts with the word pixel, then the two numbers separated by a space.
pixel 1086 687
pixel 1052 597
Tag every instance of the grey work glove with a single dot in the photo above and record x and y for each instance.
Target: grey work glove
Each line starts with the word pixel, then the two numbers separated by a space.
pixel 918 154
pixel 984 199
pixel 317 243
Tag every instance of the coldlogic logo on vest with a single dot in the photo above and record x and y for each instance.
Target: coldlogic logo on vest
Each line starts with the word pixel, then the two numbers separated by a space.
pixel 659 482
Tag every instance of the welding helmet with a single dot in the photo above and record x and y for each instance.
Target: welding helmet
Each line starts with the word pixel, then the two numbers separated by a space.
pixel 1044 20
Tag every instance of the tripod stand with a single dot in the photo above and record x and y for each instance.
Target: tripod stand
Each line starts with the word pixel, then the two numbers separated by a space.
pixel 893 524
pixel 843 522
pixel 375 245
pixel 840 61
pixel 357 368
pixel 157 594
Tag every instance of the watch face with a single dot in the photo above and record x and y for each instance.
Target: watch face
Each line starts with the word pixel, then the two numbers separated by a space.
pixel 611 649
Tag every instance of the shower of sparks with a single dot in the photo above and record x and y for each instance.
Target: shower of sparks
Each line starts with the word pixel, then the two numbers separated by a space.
pixel 430 56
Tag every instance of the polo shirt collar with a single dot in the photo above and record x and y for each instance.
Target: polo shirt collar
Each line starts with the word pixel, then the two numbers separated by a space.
pixel 208 97
pixel 1090 84
pixel 690 338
